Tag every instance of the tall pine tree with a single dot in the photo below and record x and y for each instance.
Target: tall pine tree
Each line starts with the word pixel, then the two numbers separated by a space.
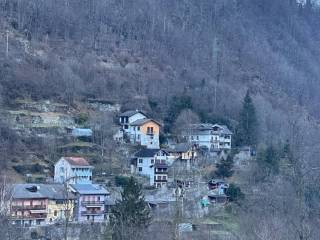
pixel 130 216
pixel 246 134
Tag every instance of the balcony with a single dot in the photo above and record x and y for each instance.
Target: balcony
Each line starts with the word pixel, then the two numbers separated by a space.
pixel 29 207
pixel 150 133
pixel 92 213
pixel 90 203
pixel 161 180
pixel 31 216
pixel 161 171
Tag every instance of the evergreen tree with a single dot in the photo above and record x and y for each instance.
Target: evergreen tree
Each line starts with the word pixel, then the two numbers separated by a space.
pixel 224 168
pixel 268 160
pixel 234 193
pixel 131 215
pixel 246 134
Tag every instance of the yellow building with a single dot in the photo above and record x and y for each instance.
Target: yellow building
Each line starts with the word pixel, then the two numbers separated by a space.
pixel 60 209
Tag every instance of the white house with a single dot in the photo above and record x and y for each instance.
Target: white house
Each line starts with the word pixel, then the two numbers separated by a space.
pixel 128 117
pixel 212 136
pixel 74 170
pixel 151 163
pixel 139 129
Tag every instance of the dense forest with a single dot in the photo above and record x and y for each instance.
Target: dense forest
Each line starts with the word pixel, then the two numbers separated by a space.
pixel 165 56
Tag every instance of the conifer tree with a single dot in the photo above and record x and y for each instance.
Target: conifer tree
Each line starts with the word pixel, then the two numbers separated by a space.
pixel 246 133
pixel 130 216
pixel 224 168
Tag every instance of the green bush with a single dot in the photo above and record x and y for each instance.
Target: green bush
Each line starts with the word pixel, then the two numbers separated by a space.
pixel 121 181
pixel 82 118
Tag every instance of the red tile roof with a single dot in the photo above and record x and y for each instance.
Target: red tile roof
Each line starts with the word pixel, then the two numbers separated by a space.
pixel 77 161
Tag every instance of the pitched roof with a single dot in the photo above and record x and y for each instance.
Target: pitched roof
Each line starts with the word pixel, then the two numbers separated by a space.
pixel 41 191
pixel 182 147
pixel 140 122
pixel 145 152
pixel 77 161
pixel 208 126
pixel 130 113
pixel 89 189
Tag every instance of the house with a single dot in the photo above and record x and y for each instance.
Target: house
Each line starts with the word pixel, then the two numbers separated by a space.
pixel 145 132
pixel 210 136
pixel 185 151
pixel 138 129
pixel 40 204
pixel 151 163
pixel 217 191
pixel 90 202
pixel 128 117
pixel 75 170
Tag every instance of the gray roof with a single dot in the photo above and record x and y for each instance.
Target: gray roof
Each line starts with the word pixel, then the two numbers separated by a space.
pixel 82 132
pixel 182 147
pixel 140 122
pixel 207 126
pixel 89 189
pixel 41 191
pixel 130 113
pixel 146 152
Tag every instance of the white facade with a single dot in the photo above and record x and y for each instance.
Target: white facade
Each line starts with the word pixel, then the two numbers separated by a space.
pixel 72 173
pixel 145 165
pixel 210 136
pixel 150 140
pixel 126 119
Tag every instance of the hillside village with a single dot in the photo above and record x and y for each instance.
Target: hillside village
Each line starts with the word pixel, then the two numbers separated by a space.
pixel 139 120
pixel 74 190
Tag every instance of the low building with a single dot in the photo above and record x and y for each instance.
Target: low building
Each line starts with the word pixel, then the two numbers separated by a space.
pixel 74 170
pixel 91 200
pixel 151 163
pixel 40 204
pixel 210 136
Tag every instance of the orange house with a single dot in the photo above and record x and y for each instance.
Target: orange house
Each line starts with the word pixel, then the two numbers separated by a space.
pixel 145 132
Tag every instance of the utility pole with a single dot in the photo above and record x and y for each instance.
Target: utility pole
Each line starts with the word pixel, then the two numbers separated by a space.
pixel 7 45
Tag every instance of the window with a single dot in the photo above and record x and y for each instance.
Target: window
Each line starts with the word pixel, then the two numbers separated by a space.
pixel 126 127
pixel 140 169
pixel 61 169
pixel 55 213
pixel 164 178
pixel 138 128
pixel 152 161
pixel 158 177
pixel 138 136
pixel 140 160
pixel 191 137
pixel 149 130
pixel 197 137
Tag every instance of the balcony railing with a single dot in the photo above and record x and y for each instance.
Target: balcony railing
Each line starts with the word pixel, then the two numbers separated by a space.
pixel 31 216
pixel 84 203
pixel 161 180
pixel 92 212
pixel 29 207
